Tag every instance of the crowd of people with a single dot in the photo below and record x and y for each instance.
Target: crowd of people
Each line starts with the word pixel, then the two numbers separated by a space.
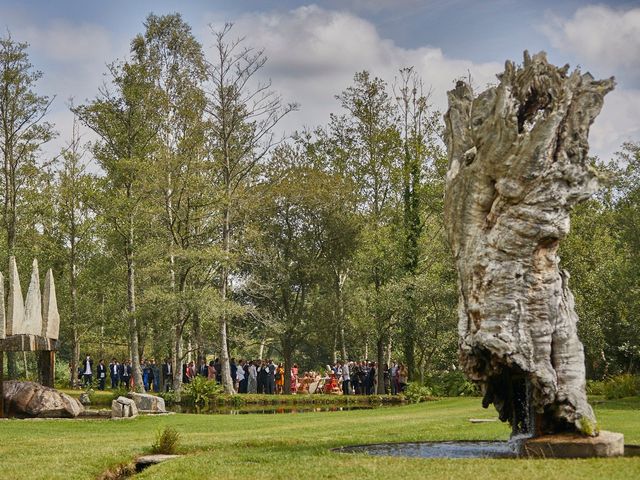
pixel 251 376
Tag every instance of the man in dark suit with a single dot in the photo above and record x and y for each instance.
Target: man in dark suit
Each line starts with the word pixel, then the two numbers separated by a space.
pixel 203 370
pixel 114 373
pixel 271 385
pixel 101 374
pixel 125 374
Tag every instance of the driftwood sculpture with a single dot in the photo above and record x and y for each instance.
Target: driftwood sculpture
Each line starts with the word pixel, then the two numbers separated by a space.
pixel 517 164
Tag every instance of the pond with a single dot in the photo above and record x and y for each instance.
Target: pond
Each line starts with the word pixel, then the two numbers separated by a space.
pixel 266 409
pixel 453 449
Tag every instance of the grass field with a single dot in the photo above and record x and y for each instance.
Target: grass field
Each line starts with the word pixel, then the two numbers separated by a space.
pixel 296 446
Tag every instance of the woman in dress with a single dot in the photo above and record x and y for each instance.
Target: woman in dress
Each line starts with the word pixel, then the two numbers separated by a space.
pixel 280 379
pixel 294 378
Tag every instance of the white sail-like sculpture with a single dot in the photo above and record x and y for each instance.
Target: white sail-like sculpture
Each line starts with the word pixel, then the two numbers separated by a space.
pixel 15 307
pixel 33 304
pixel 50 315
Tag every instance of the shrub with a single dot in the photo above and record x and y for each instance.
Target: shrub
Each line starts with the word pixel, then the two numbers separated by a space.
pixel 167 441
pixel 169 397
pixel 595 387
pixel 416 392
pixel 200 390
pixel 451 384
pixel 119 392
pixel 621 386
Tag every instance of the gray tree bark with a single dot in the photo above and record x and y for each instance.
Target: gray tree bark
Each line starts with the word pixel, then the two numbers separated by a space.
pixel 517 164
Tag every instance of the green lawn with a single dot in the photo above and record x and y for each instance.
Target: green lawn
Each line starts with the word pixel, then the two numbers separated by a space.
pixel 296 446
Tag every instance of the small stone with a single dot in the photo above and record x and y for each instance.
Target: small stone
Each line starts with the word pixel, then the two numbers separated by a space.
pixel 483 420
pixel 123 407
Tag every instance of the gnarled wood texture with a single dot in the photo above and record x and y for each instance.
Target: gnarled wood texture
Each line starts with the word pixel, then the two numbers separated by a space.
pixel 517 164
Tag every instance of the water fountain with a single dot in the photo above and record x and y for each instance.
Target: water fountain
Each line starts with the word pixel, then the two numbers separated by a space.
pixel 517 164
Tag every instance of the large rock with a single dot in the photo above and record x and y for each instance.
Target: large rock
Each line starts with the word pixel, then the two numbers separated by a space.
pixel 34 400
pixel 148 403
pixel 123 407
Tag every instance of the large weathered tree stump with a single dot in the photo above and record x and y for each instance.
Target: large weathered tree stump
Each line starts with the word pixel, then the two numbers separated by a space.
pixel 517 164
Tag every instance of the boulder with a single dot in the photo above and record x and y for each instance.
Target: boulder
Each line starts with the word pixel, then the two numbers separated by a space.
pixel 123 407
pixel 85 399
pixel 34 400
pixel 148 403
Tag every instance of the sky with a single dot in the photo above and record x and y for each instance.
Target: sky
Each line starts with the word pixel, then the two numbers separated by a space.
pixel 314 49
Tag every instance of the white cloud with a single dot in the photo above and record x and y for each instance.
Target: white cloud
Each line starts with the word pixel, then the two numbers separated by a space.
pixel 73 58
pixel 66 42
pixel 603 38
pixel 606 42
pixel 314 53
pixel 618 122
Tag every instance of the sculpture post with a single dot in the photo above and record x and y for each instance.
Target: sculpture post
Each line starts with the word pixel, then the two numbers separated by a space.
pixel 517 164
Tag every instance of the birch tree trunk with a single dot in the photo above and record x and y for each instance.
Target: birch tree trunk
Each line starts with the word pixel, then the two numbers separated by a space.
pixel 134 345
pixel 517 164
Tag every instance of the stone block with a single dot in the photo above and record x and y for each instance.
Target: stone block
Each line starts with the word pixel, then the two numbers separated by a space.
pixel 148 403
pixel 123 407
pixel 572 445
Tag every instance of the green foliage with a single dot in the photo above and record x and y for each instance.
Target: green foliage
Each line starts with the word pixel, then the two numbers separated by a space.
pixel 595 387
pixel 621 386
pixel 169 397
pixel 119 392
pixel 167 441
pixel 452 384
pixel 416 393
pixel 200 390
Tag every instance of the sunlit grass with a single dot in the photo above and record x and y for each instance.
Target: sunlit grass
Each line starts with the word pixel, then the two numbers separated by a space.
pixel 296 446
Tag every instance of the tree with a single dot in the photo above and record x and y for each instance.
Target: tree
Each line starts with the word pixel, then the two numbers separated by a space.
pixel 303 217
pixel 23 130
pixel 76 195
pixel 244 113
pixel 175 64
pixel 367 153
pixel 126 122
pixel 419 127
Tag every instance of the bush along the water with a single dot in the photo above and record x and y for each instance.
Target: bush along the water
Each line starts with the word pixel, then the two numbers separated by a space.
pixel 451 384
pixel 200 390
pixel 622 386
pixel 416 392
pixel 167 442
pixel 169 397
